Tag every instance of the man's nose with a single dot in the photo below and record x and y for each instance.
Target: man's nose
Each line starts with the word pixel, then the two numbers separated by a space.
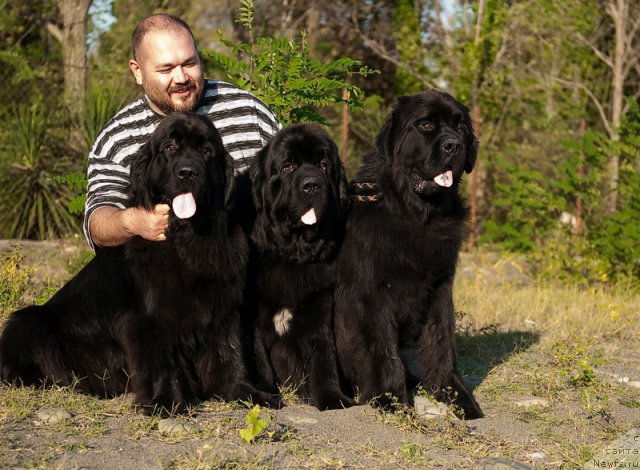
pixel 178 75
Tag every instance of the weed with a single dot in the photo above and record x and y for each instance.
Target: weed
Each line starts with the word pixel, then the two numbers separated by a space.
pixel 630 403
pixel 14 281
pixel 257 421
pixel 411 451
pixel 576 360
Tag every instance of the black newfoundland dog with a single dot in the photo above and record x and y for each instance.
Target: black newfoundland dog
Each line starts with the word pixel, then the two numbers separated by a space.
pixel 394 310
pixel 159 319
pixel 300 194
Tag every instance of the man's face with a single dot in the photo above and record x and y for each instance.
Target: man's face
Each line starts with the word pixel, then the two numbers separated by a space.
pixel 168 69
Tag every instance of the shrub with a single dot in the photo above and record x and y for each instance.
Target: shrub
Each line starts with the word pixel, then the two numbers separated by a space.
pixel 284 75
pixel 32 204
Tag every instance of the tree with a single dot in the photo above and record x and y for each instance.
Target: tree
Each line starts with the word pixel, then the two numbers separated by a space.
pixel 616 43
pixel 73 38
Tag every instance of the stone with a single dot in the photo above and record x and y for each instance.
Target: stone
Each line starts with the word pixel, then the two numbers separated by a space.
pixel 537 455
pixel 533 402
pixel 52 415
pixel 499 464
pixel 429 409
pixel 175 426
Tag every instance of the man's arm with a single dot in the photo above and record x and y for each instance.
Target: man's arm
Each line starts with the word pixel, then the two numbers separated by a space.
pixel 111 226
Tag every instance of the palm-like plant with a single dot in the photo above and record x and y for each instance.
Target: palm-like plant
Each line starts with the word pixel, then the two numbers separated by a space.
pixel 32 204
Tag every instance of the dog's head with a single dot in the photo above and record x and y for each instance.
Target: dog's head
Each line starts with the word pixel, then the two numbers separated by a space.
pixel 184 165
pixel 299 186
pixel 428 140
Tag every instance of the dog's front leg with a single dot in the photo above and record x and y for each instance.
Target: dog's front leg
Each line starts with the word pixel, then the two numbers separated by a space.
pixel 437 358
pixel 154 379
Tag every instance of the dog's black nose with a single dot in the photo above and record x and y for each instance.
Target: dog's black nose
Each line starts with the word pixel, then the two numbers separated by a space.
pixel 310 184
pixel 186 172
pixel 450 146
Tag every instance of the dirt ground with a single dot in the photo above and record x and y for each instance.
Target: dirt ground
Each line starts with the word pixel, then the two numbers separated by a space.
pixel 540 413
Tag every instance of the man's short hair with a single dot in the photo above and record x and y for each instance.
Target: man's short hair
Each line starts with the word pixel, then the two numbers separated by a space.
pixel 160 21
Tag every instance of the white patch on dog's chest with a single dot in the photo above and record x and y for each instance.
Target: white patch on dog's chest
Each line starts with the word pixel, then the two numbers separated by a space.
pixel 282 321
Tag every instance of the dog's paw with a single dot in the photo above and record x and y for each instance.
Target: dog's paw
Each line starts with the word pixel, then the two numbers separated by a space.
pixel 333 400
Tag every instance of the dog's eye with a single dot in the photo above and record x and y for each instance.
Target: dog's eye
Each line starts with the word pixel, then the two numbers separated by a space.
pixel 170 148
pixel 288 167
pixel 206 151
pixel 461 129
pixel 427 125
pixel 323 165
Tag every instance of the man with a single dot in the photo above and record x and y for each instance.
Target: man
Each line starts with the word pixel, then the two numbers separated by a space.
pixel 167 66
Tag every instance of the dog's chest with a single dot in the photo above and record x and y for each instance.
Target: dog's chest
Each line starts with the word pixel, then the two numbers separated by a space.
pixel 295 295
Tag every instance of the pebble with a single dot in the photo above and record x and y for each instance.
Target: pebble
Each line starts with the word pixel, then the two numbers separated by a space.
pixel 301 419
pixel 52 415
pixel 428 409
pixel 499 464
pixel 175 426
pixel 634 383
pixel 537 455
pixel 533 402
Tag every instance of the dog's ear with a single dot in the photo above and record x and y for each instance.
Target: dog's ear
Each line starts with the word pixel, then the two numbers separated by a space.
pixel 384 139
pixel 472 153
pixel 141 194
pixel 257 175
pixel 342 189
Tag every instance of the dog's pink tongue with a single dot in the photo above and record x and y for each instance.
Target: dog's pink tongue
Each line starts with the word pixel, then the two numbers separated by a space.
pixel 184 206
pixel 309 218
pixel 445 179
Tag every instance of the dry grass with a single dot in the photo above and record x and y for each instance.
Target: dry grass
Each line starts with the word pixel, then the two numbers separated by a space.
pixel 517 340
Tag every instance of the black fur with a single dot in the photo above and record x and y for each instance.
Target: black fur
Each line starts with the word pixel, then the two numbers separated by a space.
pixel 394 305
pixel 298 170
pixel 159 319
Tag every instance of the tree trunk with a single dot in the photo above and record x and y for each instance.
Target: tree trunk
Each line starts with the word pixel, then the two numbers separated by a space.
pixel 476 119
pixel 577 228
pixel 618 10
pixel 74 37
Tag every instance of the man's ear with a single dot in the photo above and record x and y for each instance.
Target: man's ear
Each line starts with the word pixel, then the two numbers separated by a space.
pixel 136 71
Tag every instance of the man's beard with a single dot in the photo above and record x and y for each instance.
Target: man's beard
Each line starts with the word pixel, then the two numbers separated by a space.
pixel 161 98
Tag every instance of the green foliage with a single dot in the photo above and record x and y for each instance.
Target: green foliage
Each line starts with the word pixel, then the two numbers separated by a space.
pixel 568 258
pixel 257 421
pixel 77 184
pixel 525 208
pixel 33 205
pixel 284 75
pixel 102 104
pixel 576 360
pixel 617 236
pixel 14 282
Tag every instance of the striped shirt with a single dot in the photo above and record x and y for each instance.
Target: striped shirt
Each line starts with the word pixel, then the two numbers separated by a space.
pixel 244 122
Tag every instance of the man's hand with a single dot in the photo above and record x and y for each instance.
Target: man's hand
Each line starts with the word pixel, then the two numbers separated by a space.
pixel 110 226
pixel 150 225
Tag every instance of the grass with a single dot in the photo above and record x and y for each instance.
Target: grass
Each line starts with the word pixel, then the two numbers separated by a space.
pixel 516 341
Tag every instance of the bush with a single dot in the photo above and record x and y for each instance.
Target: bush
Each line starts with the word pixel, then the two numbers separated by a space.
pixel 284 75
pixel 32 204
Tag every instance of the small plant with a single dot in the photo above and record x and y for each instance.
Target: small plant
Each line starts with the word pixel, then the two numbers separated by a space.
pixel 282 73
pixel 77 184
pixel 257 421
pixel 32 205
pixel 412 451
pixel 577 361
pixel 630 403
pixel 14 281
